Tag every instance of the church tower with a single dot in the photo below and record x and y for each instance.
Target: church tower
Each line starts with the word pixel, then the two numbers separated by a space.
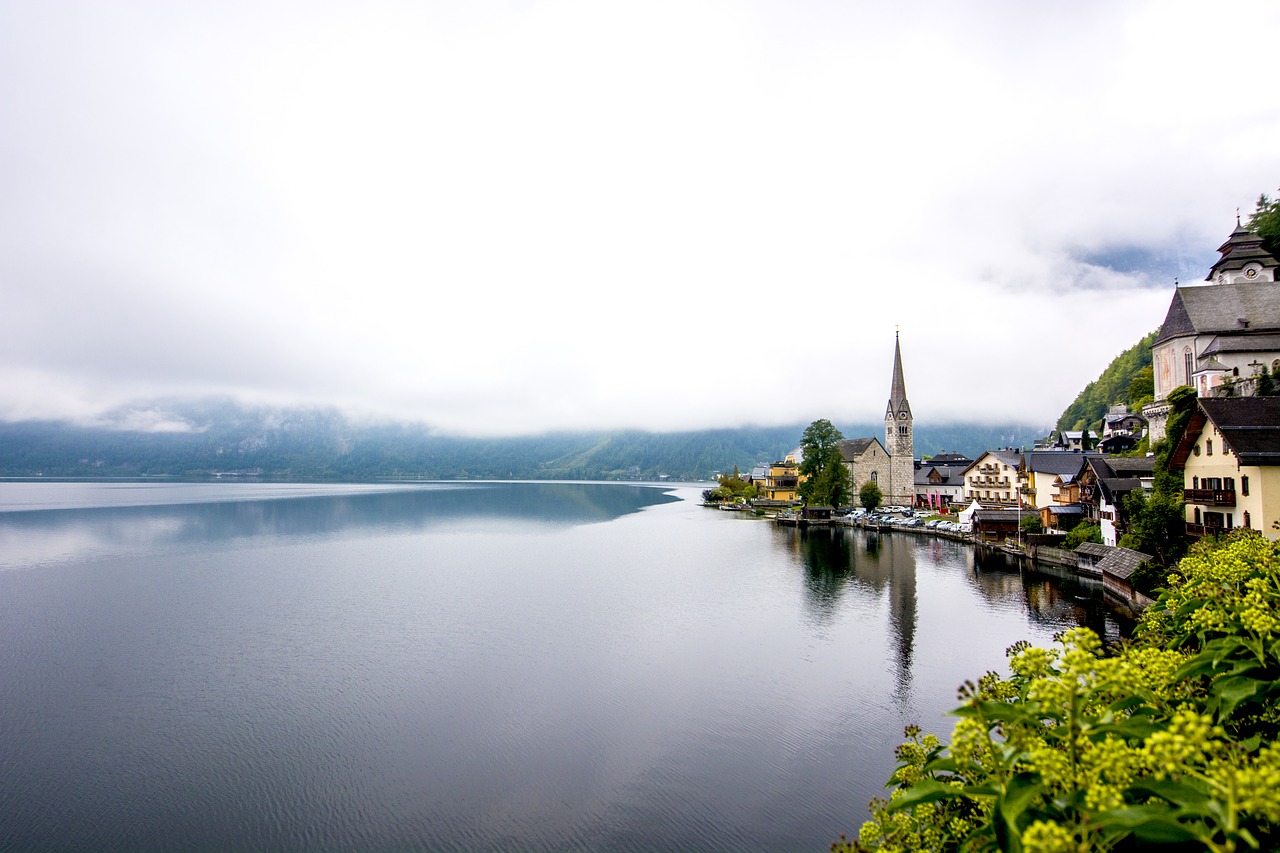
pixel 898 438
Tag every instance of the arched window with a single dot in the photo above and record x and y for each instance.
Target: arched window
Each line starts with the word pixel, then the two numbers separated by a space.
pixel 1189 363
pixel 875 476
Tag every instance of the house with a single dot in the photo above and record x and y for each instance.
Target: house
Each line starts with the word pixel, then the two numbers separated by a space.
pixel 997 525
pixel 992 479
pixel 1060 518
pixel 1229 456
pixel 940 486
pixel 1073 439
pixel 1219 335
pixel 1044 471
pixel 1104 481
pixel 781 481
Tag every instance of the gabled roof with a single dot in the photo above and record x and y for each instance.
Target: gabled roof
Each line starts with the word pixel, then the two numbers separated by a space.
pixel 948 475
pixel 1093 549
pixel 1057 462
pixel 958 459
pixel 1249 425
pixel 1012 458
pixel 1121 562
pixel 1220 308
pixel 1132 465
pixel 852 449
pixel 1114 488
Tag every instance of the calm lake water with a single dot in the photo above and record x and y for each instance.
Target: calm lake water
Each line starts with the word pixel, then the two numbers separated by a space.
pixel 470 667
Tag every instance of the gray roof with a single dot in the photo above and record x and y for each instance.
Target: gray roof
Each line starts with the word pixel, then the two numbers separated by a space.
pixel 1242 247
pixel 1060 462
pixel 1114 487
pixel 1219 308
pixel 851 449
pixel 1121 562
pixel 951 475
pixel 1093 549
pixel 1005 515
pixel 1066 509
pixel 1242 343
pixel 1012 458
pixel 1250 425
pixel 898 388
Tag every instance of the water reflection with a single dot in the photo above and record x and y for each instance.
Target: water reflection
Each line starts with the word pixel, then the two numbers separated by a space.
pixel 864 564
pixel 42 536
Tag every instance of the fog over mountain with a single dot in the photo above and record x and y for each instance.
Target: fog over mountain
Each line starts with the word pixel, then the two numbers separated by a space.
pixel 221 438
pixel 502 218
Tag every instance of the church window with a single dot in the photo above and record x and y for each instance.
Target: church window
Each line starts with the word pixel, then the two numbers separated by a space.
pixel 875 476
pixel 1188 363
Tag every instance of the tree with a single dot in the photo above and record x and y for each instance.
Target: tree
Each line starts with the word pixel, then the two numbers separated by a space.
pixel 824 479
pixel 870 496
pixel 1265 219
pixel 1030 523
pixel 1085 531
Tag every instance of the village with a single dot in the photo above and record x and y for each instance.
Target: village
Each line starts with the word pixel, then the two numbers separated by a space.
pixel 1213 429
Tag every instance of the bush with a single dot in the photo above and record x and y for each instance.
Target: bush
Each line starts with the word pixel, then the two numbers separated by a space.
pixel 1168 741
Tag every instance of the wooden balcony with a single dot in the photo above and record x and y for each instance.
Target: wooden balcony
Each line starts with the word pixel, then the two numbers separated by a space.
pixel 1199 530
pixel 1210 497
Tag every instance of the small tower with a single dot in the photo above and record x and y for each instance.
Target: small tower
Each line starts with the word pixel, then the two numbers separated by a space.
pixel 899 440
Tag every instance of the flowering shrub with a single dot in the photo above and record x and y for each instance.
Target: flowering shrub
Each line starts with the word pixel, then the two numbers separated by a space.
pixel 1166 741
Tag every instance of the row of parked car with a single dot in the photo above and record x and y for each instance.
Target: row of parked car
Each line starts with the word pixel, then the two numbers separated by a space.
pixel 904 517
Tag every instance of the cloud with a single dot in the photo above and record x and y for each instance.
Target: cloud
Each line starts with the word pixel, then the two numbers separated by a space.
pixel 512 217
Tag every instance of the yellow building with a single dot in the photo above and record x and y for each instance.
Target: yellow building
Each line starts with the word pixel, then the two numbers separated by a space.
pixel 1230 459
pixel 782 481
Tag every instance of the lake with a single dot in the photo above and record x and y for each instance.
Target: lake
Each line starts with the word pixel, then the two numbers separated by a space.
pixel 470 666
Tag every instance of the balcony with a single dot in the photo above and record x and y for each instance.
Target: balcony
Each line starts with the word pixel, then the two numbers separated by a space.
pixel 1199 530
pixel 1210 497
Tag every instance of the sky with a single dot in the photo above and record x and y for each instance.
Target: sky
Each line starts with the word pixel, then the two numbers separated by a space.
pixel 503 217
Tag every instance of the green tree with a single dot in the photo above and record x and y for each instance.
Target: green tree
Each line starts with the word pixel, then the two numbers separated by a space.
pixel 1083 532
pixel 1030 523
pixel 1265 219
pixel 870 496
pixel 820 451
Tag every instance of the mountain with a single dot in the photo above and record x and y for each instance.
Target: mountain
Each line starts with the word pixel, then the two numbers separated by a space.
pixel 212 438
pixel 1127 379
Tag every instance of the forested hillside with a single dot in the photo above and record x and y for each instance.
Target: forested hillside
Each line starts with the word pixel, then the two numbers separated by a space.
pixel 1128 380
pixel 207 439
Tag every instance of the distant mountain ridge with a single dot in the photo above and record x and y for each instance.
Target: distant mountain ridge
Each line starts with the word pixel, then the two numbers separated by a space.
pixel 207 439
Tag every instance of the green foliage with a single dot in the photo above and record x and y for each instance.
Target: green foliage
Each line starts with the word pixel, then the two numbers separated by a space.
pixel 1266 384
pixel 1265 220
pixel 1155 525
pixel 824 479
pixel 1127 380
pixel 1031 523
pixel 732 489
pixel 870 496
pixel 1083 532
pixel 1169 741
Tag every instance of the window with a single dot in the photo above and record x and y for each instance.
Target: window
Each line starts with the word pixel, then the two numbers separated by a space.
pixel 1195 482
pixel 1189 363
pixel 1244 488
pixel 1246 518
pixel 1229 484
pixel 875 476
pixel 1208 447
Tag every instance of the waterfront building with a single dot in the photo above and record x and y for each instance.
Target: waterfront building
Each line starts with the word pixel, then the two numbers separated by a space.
pixel 891 465
pixel 992 478
pixel 1229 456
pixel 1219 334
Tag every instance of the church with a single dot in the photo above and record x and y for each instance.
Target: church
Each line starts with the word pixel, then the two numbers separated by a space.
pixel 891 465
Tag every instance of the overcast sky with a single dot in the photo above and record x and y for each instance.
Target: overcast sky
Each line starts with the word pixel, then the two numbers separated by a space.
pixel 506 217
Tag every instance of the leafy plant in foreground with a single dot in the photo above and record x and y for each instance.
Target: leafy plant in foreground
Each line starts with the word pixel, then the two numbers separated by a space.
pixel 1168 741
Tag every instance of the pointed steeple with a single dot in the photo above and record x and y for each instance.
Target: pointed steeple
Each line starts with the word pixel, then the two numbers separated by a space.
pixel 898 389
